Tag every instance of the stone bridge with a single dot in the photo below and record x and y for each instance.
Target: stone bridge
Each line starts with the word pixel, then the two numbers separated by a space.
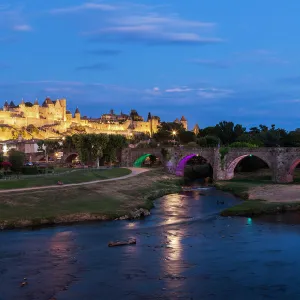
pixel 281 161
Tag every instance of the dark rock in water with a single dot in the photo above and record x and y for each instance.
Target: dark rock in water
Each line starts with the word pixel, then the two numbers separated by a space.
pixel 122 243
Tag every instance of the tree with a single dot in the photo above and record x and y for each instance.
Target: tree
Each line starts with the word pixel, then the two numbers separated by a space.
pixel 90 147
pixel 49 147
pixel 186 137
pixel 166 129
pixel 17 159
pixel 32 129
pixel 68 144
pixel 292 139
pixel 212 141
pixel 228 132
pixel 211 130
pixel 115 142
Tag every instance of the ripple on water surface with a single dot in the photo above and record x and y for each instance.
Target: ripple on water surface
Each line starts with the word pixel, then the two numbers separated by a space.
pixel 184 251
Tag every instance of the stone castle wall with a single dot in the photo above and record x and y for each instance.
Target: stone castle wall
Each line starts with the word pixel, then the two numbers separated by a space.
pixel 53 119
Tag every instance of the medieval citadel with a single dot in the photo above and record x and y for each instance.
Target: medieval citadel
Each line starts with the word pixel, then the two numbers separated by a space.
pixel 52 120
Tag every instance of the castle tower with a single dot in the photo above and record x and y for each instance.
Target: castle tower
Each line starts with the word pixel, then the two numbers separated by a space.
pixel 6 106
pixel 149 120
pixel 36 108
pixel 77 114
pixel 196 129
pixel 22 107
pixel 63 103
pixel 184 123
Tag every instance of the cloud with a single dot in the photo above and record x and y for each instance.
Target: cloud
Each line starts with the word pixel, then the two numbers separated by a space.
pixel 94 67
pixel 211 63
pixel 178 90
pixel 24 27
pixel 105 52
pixel 214 93
pixel 13 19
pixel 144 24
pixel 83 7
pixel 154 91
pixel 260 56
pixel 152 35
pixel 287 101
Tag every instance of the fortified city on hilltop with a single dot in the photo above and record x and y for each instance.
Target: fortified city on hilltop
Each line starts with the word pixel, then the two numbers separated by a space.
pixel 52 120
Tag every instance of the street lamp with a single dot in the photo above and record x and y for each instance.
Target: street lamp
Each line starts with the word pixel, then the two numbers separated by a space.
pixel 174 134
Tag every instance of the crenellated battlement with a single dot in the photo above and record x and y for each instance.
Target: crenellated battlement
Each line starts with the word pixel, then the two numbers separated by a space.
pixel 51 119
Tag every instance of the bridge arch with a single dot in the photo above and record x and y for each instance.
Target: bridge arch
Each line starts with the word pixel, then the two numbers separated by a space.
pixel 141 159
pixel 291 170
pixel 70 157
pixel 233 164
pixel 179 171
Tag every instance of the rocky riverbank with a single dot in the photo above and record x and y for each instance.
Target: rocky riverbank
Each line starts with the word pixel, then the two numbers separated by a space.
pixel 130 198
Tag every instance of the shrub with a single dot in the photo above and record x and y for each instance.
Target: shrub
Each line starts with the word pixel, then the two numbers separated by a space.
pixel 202 142
pixel 242 145
pixel 192 145
pixel 30 170
pixel 17 159
pixel 212 141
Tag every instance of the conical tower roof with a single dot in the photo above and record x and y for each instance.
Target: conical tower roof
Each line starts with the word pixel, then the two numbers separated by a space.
pixel 183 118
pixel 36 102
pixel 77 111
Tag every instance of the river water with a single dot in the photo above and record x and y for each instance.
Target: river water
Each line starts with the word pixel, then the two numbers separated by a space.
pixel 184 251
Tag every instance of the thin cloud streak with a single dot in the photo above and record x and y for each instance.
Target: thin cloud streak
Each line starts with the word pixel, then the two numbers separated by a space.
pixel 146 25
pixel 95 67
pixel 23 27
pixel 83 7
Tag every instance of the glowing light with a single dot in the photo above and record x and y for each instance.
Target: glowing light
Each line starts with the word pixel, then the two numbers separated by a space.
pixel 250 155
pixel 138 163
pixel 182 163
pixel 5 149
pixel 174 132
pixel 249 221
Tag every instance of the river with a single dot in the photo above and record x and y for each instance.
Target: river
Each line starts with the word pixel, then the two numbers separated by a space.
pixel 184 251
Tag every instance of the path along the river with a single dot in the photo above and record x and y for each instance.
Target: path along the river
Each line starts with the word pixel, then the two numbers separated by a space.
pixel 134 172
pixel 184 251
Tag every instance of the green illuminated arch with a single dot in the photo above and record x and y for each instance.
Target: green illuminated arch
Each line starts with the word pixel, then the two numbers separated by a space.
pixel 138 163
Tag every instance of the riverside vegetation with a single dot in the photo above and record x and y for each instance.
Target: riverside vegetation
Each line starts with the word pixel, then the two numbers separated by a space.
pixel 261 196
pixel 98 201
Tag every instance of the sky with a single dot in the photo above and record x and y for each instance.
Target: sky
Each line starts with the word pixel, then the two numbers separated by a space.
pixel 208 60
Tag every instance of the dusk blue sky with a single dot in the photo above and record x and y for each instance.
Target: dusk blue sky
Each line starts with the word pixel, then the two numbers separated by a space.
pixel 208 60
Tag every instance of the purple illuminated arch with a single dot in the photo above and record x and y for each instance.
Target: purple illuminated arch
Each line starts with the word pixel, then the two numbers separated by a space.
pixel 182 163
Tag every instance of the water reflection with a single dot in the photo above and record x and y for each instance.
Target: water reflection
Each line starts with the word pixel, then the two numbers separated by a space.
pixel 192 257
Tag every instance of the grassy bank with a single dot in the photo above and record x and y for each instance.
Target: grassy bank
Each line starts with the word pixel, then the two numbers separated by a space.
pixel 83 175
pixel 99 201
pixel 255 207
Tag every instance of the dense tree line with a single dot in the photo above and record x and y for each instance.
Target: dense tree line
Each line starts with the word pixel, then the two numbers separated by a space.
pixel 91 148
pixel 229 134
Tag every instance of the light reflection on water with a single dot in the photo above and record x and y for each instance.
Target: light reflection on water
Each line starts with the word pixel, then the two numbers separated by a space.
pixel 180 254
